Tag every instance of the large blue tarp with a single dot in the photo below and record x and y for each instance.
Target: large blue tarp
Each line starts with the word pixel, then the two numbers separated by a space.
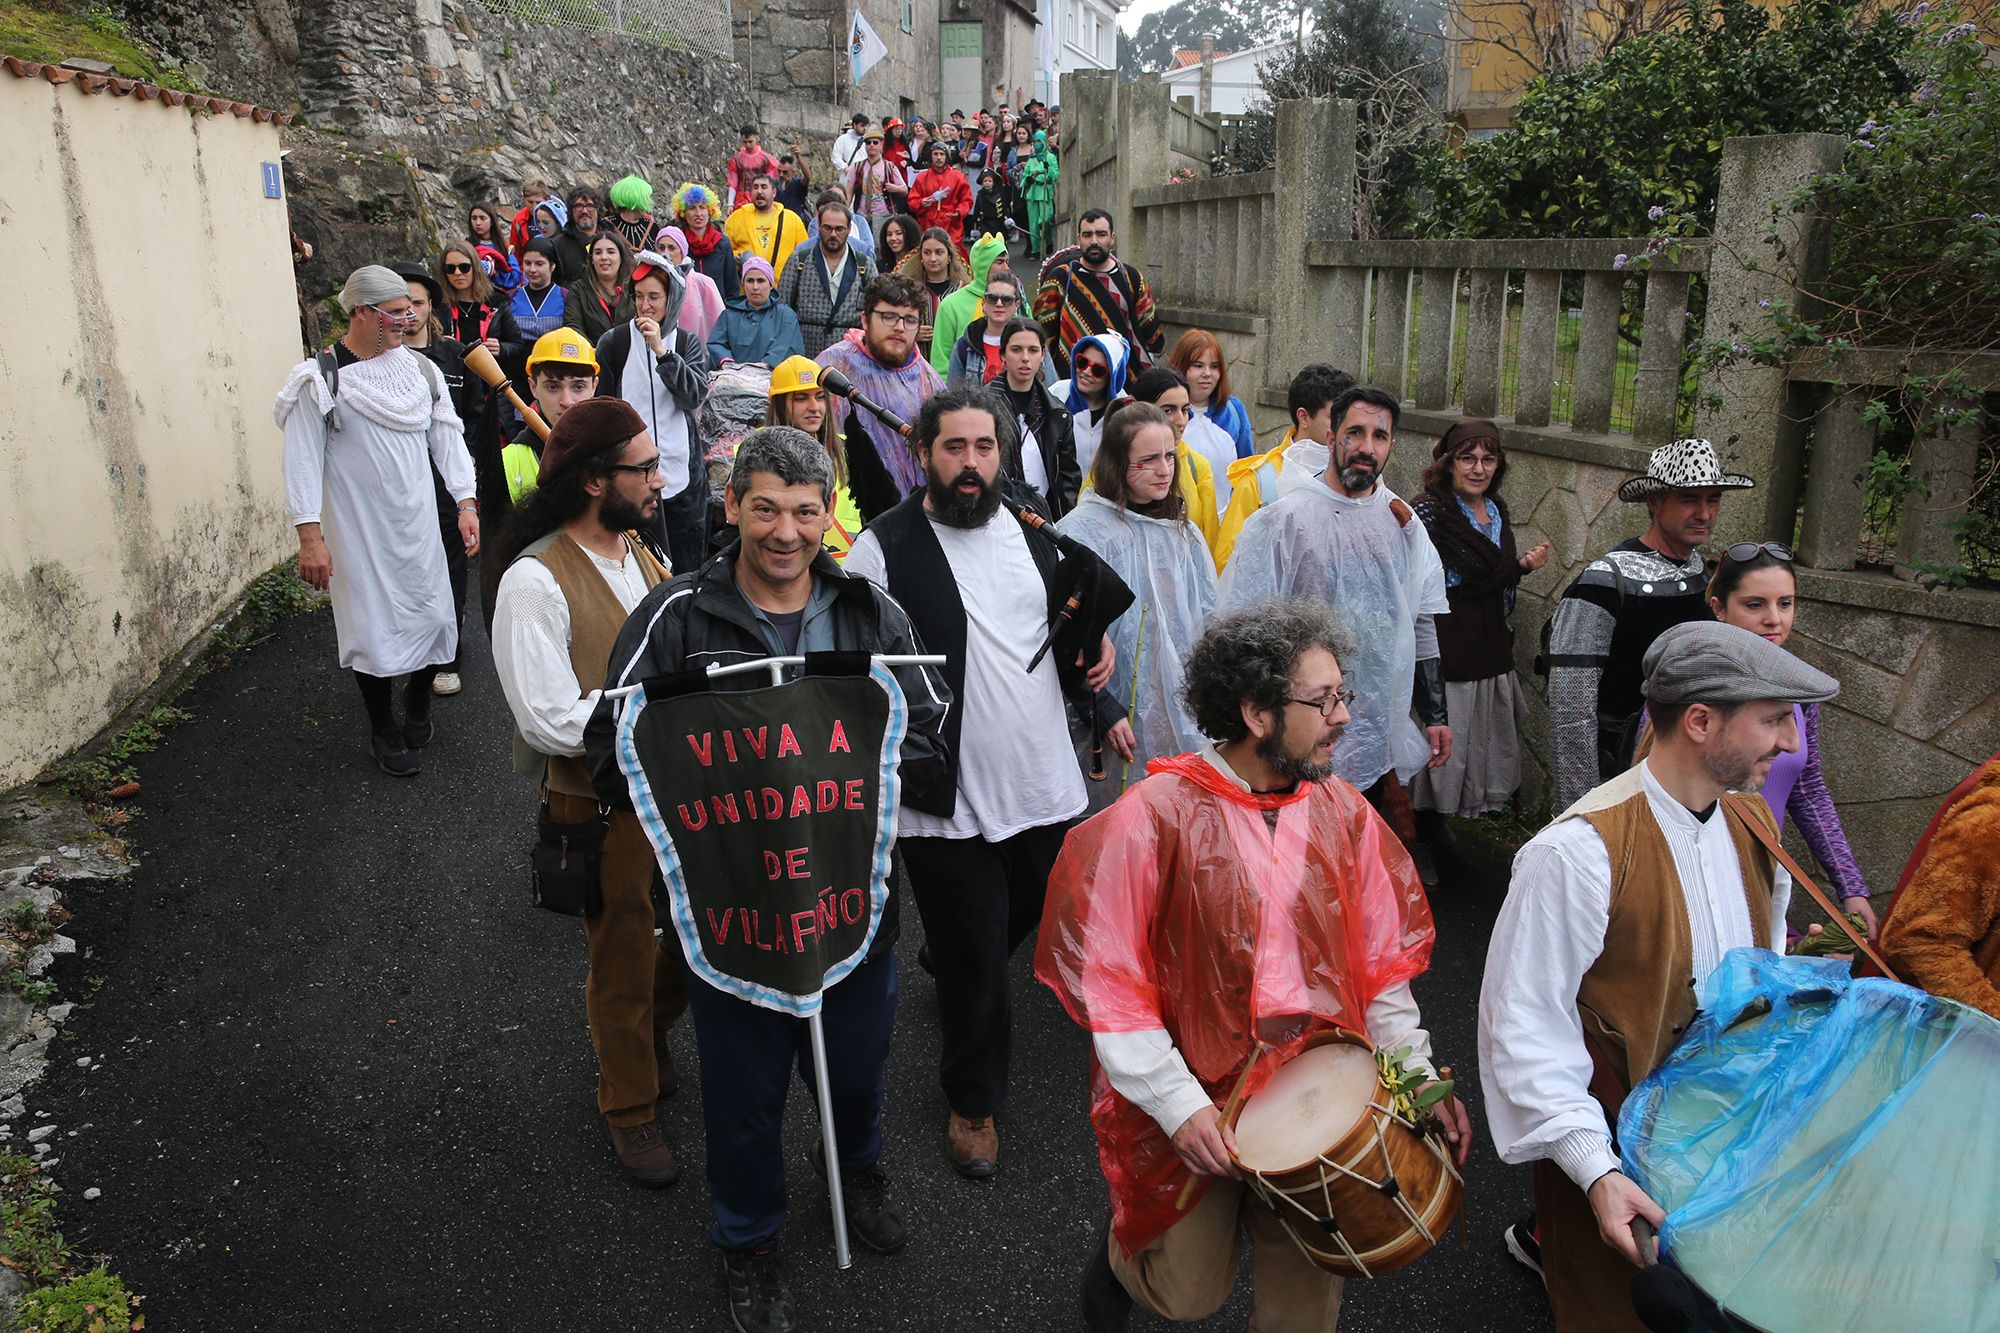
pixel 1827 1150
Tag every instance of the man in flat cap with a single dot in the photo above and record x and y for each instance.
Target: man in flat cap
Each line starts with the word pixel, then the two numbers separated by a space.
pixel 1623 600
pixel 364 422
pixel 574 571
pixel 1616 912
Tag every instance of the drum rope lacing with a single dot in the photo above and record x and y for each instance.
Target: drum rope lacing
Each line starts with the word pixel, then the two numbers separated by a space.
pixel 1272 1195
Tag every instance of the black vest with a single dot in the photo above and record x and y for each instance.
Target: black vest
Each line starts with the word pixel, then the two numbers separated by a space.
pixel 919 578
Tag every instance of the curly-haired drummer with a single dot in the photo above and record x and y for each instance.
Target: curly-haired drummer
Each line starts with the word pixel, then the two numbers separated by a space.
pixel 1238 896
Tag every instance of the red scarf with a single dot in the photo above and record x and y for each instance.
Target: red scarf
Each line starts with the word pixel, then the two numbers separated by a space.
pixel 702 244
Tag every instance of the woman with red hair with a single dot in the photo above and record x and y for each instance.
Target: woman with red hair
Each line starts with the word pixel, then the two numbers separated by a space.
pixel 1198 357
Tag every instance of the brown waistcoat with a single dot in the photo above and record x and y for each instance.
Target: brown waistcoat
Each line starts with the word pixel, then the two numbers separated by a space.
pixel 595 617
pixel 1638 997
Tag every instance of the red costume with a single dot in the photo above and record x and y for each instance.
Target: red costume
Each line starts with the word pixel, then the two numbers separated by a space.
pixel 1154 920
pixel 745 166
pixel 949 212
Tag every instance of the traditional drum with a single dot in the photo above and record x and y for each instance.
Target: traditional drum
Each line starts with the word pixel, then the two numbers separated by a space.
pixel 1362 1190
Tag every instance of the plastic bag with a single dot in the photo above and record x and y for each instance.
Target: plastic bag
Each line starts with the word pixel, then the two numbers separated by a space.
pixel 1825 1150
pixel 739 400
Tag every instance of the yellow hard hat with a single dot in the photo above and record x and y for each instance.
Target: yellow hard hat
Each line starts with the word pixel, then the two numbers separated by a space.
pixel 564 345
pixel 795 374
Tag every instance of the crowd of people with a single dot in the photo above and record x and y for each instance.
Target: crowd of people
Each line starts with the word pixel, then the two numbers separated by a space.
pixel 1314 673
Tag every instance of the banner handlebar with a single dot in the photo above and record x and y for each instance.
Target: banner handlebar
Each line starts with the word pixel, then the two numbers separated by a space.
pixel 776 666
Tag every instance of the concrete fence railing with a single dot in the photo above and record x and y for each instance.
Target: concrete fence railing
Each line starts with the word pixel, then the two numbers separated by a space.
pixel 1577 355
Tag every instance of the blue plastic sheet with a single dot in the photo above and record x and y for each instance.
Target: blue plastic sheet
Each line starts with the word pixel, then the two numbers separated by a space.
pixel 1827 1150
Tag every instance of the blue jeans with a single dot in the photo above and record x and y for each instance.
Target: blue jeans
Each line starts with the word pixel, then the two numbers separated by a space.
pixel 747 1058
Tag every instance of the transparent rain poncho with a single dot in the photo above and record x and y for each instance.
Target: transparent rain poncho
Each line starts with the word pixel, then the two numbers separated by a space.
pixel 1379 575
pixel 1167 566
pixel 1157 918
pixel 1825 1150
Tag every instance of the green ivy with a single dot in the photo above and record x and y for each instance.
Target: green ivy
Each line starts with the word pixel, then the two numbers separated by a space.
pixel 1596 148
pixel 93 1302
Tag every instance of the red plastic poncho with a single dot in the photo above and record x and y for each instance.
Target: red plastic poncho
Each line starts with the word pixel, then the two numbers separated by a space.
pixel 1155 920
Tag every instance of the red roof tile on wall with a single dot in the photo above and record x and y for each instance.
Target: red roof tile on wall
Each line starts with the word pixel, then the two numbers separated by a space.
pixel 145 92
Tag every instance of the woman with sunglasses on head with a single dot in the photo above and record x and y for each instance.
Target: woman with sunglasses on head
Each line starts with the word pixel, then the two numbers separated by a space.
pixel 1755 588
pixel 1468 523
pixel 469 313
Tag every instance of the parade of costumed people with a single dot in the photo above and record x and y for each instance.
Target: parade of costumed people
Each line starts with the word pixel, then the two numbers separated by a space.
pixel 1013 765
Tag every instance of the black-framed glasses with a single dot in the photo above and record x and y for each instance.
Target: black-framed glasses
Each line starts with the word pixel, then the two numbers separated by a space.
pixel 1326 707
pixel 643 469
pixel 896 321
pixel 458 268
pixel 1744 552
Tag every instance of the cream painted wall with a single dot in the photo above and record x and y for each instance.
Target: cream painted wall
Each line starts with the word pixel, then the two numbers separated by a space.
pixel 152 323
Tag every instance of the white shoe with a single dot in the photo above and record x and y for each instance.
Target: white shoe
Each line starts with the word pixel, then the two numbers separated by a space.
pixel 446 682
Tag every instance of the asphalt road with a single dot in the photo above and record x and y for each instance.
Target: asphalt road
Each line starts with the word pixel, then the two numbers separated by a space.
pixel 341 1077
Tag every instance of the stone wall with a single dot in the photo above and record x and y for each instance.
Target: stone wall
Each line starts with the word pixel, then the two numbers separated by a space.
pixel 462 103
pixel 796 50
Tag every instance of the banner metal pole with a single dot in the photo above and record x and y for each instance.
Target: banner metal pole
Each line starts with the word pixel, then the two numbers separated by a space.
pixel 842 1255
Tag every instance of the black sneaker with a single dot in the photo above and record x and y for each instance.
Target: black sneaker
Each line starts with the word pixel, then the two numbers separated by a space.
pixel 873 1217
pixel 1107 1306
pixel 393 755
pixel 417 735
pixel 760 1300
pixel 1522 1245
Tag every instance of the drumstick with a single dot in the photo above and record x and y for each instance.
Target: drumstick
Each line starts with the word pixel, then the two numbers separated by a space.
pixel 1228 1112
pixel 481 363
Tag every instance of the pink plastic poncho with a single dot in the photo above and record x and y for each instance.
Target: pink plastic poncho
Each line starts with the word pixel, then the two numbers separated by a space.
pixel 1155 920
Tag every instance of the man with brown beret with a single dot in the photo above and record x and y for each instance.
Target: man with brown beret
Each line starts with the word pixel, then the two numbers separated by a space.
pixel 574 571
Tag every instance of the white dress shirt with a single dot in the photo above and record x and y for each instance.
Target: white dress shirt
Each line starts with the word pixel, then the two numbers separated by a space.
pixel 1534 1065
pixel 531 639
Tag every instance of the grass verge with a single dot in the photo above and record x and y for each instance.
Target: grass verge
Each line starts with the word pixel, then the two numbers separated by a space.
pixel 53 33
pixel 67 1296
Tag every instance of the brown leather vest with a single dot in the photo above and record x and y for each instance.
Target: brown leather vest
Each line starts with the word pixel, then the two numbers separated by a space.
pixel 595 617
pixel 1638 997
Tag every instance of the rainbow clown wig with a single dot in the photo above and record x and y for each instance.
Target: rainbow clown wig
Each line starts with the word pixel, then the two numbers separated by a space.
pixel 691 194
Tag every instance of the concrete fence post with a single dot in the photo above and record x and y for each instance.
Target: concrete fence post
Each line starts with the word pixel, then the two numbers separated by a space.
pixel 1145 160
pixel 1747 410
pixel 1314 201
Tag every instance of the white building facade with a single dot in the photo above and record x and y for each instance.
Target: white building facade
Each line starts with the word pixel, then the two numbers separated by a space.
pixel 1073 35
pixel 1237 79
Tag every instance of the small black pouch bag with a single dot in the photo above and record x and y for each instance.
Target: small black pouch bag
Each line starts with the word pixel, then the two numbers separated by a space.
pixel 563 866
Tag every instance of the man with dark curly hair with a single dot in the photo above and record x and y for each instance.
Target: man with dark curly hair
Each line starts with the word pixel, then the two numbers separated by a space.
pixel 1238 897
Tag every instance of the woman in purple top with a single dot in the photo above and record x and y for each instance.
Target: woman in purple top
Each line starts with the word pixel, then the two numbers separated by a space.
pixel 1754 588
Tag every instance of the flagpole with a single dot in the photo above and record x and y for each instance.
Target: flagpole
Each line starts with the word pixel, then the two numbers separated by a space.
pixel 843 1254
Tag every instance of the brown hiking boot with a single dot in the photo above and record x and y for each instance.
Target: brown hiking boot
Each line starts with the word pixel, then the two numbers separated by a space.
pixel 643 1152
pixel 973 1145
pixel 670 1079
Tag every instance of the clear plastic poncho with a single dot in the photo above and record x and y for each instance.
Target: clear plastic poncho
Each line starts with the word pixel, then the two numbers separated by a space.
pixel 1167 566
pixel 1825 1150
pixel 1156 919
pixel 1379 573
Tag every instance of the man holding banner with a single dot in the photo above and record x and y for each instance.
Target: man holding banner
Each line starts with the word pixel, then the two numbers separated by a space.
pixel 772 811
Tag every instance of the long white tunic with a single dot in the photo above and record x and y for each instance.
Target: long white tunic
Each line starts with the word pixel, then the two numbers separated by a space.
pixel 1168 567
pixel 1383 580
pixel 1533 1063
pixel 367 483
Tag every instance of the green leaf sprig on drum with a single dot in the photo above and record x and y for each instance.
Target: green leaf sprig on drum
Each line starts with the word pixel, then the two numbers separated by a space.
pixel 1410 1098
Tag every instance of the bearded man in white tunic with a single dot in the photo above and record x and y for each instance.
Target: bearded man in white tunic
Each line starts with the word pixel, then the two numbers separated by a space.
pixel 363 422
pixel 1343 537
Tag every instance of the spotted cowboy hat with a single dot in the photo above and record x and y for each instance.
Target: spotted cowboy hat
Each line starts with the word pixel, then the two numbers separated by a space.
pixel 1684 465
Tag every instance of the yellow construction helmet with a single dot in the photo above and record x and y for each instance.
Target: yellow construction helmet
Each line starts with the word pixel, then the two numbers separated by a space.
pixel 795 374
pixel 566 346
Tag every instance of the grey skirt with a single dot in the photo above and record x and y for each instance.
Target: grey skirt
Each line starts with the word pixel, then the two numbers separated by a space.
pixel 1487 719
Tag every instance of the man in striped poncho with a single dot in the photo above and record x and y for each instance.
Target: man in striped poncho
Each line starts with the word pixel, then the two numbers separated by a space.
pixel 1087 289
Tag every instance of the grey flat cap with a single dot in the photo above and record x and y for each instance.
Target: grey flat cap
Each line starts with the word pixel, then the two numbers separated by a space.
pixel 1707 661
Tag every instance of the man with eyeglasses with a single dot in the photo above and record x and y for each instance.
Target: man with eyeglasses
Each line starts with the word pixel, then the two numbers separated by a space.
pixel 365 509
pixel 576 570
pixel 824 287
pixel 1345 538
pixel 981 588
pixel 1620 603
pixel 1239 895
pixel 884 368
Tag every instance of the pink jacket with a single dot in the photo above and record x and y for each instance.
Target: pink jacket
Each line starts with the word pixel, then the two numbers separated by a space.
pixel 702 306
